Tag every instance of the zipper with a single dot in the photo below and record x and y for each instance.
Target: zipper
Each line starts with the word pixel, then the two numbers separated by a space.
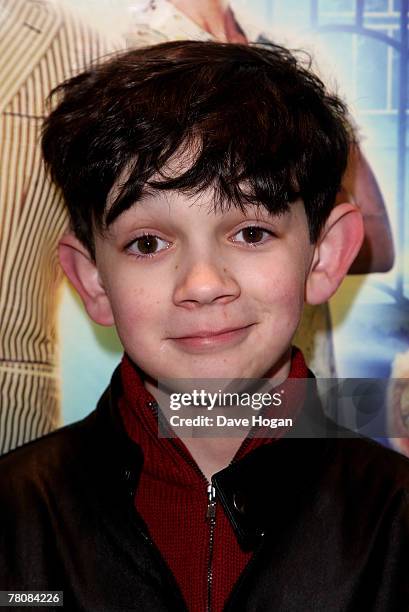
pixel 211 518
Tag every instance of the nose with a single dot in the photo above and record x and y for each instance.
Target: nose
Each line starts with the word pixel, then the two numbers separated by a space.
pixel 205 281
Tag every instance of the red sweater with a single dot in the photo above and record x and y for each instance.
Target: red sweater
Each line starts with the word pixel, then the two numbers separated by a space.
pixel 172 499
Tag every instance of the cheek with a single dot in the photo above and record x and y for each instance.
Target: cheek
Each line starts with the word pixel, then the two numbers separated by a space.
pixel 136 310
pixel 278 292
pixel 280 305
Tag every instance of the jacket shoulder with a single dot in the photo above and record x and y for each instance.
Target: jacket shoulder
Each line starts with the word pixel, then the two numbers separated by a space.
pixel 45 460
pixel 371 453
pixel 370 470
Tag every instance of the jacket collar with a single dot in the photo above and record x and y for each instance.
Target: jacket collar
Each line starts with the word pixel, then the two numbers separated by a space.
pixel 265 490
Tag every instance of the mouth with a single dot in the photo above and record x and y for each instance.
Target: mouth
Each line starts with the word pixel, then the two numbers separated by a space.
pixel 213 338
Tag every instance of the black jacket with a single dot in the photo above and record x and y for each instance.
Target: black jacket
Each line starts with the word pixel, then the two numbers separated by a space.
pixel 327 519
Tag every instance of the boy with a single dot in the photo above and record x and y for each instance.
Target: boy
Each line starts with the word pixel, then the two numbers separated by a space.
pixel 200 180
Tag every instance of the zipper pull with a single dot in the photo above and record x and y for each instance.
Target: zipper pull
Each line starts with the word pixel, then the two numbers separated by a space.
pixel 211 504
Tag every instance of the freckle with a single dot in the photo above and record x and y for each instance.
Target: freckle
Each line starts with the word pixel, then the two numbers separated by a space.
pixel 176 267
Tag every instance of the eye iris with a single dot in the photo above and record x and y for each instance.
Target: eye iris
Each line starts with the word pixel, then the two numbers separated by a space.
pixel 147 244
pixel 253 234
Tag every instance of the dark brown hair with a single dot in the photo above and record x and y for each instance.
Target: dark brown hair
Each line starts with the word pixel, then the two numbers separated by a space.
pixel 262 127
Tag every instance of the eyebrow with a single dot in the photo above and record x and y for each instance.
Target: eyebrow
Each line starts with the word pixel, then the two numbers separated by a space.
pixel 149 192
pixel 144 195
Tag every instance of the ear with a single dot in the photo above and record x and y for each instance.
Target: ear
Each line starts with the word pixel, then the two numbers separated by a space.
pixel 82 272
pixel 336 249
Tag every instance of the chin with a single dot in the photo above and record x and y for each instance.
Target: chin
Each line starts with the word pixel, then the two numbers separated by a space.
pixel 220 369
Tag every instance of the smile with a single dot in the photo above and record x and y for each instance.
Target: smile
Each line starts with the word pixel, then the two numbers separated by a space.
pixel 204 340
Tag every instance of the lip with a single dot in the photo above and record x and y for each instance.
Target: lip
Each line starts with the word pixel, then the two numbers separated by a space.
pixel 207 339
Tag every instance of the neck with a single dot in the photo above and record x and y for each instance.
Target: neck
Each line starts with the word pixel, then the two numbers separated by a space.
pixel 213 16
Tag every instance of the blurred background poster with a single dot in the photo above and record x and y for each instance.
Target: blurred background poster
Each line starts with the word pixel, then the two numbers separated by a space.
pixel 360 48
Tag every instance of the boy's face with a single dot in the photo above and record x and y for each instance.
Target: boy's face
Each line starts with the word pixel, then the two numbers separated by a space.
pixel 201 294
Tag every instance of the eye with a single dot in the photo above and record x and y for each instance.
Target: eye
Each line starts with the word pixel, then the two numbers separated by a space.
pixel 147 245
pixel 253 235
